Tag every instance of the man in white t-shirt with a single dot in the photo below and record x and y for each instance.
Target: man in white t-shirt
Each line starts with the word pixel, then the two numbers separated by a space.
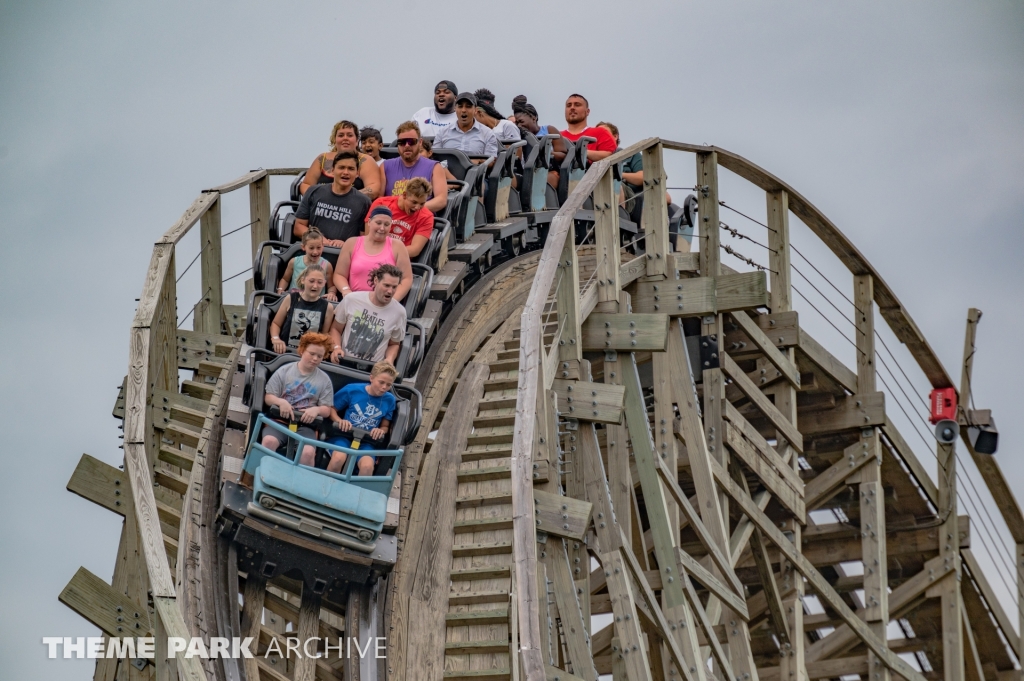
pixel 370 325
pixel 434 119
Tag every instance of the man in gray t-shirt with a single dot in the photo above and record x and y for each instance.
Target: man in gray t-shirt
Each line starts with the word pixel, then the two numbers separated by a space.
pixel 370 325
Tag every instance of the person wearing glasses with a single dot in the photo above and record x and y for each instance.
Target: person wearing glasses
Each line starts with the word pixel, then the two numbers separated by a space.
pixel 434 119
pixel 411 163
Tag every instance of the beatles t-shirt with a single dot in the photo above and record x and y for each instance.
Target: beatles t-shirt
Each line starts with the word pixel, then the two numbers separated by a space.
pixel 369 327
pixel 337 216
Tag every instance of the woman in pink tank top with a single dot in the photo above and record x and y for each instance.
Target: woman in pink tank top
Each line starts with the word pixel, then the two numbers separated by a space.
pixel 362 254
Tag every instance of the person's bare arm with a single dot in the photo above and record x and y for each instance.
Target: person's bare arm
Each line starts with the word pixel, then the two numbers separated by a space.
pixel 369 173
pixel 337 332
pixel 598 155
pixel 404 264
pixel 312 175
pixel 439 183
pixel 380 431
pixel 328 320
pixel 635 179
pixel 301 227
pixel 417 245
pixel 558 149
pixel 278 322
pixel 341 272
pixel 282 404
pixel 332 292
pixel 286 278
pixel 391 354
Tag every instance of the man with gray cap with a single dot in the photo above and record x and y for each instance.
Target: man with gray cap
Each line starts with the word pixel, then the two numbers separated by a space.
pixel 468 134
pixel 434 119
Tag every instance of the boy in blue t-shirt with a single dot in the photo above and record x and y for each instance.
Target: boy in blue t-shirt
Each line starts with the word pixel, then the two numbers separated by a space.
pixel 369 406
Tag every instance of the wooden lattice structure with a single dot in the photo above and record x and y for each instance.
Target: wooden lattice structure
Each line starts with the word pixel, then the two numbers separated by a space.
pixel 605 433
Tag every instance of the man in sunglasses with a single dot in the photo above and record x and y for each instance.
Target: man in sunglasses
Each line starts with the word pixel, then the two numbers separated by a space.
pixel 409 164
pixel 434 119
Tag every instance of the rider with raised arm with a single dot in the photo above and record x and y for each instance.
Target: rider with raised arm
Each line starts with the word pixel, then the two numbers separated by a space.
pixel 468 135
pixel 336 209
pixel 434 119
pixel 397 172
pixel 577 109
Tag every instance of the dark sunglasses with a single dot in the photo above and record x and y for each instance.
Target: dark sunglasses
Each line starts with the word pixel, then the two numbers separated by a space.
pixel 406 142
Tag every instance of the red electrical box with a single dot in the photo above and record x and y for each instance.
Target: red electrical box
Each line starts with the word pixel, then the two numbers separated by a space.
pixel 943 403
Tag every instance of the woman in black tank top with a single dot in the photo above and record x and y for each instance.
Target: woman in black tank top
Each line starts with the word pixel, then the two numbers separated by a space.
pixel 301 311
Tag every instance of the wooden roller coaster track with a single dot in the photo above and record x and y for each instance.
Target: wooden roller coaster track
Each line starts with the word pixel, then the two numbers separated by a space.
pixel 581 460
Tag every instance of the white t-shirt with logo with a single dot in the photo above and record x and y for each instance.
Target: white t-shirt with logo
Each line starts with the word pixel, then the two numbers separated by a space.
pixel 431 122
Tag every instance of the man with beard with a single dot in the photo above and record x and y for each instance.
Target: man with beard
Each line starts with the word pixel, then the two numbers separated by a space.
pixel 370 325
pixel 468 134
pixel 434 119
pixel 397 172
pixel 576 111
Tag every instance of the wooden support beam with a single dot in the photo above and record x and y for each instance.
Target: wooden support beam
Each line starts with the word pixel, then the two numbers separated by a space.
pixel 561 515
pixel 567 297
pixel 815 579
pixel 101 484
pixel 252 617
pixel 259 211
pixel 707 208
pixel 606 239
pixel 761 401
pixel 308 628
pixel 825 361
pixel 630 637
pixel 824 485
pixel 587 401
pixel 702 295
pixel 851 412
pixel 625 332
pixel 574 629
pixel 110 610
pixel 763 343
pixel 776 478
pixel 825 669
pixel 208 314
pixel 654 219
pixel 914 465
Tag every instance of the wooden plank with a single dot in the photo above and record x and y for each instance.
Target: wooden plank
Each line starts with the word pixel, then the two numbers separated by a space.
pixel 574 629
pixel 814 578
pixel 824 360
pixel 606 240
pixel 627 625
pixel 567 298
pixel 824 669
pixel 239 182
pixel 702 295
pixel 190 217
pixel 654 219
pixel 626 332
pixel 821 488
pixel 110 610
pixel 685 262
pixel 189 668
pixel 588 401
pixel 422 588
pixel 993 602
pixel 707 208
pixel 100 483
pixel 767 348
pixel 773 474
pixel 917 469
pixel 208 313
pixel 252 614
pixel 308 628
pixel 562 515
pixel 195 347
pixel 761 401
pixel 851 412
pixel 781 328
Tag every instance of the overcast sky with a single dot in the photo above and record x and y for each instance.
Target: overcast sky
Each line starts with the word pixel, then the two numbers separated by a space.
pixel 901 121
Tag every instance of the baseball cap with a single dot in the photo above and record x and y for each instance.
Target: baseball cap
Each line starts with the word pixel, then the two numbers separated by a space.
pixel 466 97
pixel 450 86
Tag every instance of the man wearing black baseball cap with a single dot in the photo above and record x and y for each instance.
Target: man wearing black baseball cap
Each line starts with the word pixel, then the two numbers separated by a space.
pixel 468 134
pixel 434 119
